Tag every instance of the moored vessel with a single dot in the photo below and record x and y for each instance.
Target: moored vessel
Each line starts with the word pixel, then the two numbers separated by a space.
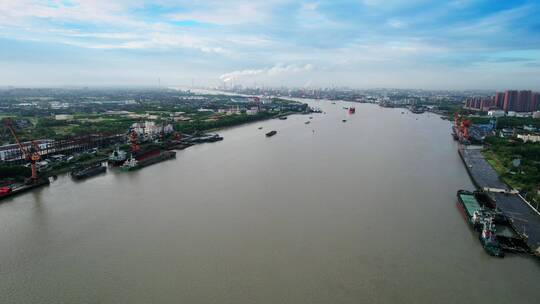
pixel 117 157
pixel 496 231
pixel 469 206
pixel 89 171
pixel 146 159
pixel 489 239
pixel 14 189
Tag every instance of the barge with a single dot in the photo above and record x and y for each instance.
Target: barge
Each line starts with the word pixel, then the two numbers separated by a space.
pixel 88 171
pixel 147 159
pixel 203 138
pixel 12 190
pixel 271 133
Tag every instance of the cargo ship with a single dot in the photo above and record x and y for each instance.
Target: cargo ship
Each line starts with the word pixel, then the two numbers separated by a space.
pixel 146 159
pixel 497 233
pixel 90 171
pixel 12 190
pixel 271 133
pixel 480 219
pixel 117 157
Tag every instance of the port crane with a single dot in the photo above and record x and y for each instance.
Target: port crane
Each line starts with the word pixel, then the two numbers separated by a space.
pixel 462 126
pixel 134 141
pixel 29 153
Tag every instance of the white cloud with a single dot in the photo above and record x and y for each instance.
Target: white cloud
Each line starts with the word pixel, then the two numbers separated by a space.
pixel 155 40
pixel 396 23
pixel 310 6
pixel 276 70
pixel 227 13
pixel 96 11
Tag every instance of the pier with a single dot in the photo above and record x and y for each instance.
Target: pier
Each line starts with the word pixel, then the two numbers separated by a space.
pixel 525 219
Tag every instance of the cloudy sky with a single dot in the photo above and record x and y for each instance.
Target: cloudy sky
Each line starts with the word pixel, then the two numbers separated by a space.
pixel 461 44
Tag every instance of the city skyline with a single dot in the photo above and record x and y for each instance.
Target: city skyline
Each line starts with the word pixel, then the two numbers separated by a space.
pixel 361 44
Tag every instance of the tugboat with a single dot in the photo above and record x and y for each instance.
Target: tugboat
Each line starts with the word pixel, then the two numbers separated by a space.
pixel 271 133
pixel 352 110
pixel 489 240
pixel 283 117
pixel 117 157
pixel 130 164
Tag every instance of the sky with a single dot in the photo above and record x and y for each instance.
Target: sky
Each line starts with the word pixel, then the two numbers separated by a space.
pixel 422 44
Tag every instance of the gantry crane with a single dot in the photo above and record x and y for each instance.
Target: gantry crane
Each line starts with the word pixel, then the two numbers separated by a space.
pixel 29 153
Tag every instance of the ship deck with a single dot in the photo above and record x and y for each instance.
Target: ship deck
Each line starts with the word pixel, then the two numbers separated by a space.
pixel 470 203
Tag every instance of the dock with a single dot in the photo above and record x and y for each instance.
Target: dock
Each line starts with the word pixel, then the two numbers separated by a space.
pixel 525 219
pixel 482 174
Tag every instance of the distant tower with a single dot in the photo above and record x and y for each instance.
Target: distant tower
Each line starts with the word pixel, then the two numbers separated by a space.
pixel 510 98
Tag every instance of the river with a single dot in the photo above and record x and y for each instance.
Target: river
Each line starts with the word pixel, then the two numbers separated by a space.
pixel 361 211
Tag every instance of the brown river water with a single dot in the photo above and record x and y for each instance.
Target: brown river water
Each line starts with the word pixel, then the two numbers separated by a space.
pixel 361 211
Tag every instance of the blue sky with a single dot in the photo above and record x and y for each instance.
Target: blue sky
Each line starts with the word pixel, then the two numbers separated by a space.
pixel 461 44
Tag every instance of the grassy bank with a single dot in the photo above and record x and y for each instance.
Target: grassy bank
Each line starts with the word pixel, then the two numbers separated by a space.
pixel 501 153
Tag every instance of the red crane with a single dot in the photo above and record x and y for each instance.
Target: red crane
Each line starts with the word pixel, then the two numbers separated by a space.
pixel 134 142
pixel 465 124
pixel 462 126
pixel 29 153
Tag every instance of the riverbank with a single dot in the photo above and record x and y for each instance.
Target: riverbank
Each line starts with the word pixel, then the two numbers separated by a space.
pixel 525 219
